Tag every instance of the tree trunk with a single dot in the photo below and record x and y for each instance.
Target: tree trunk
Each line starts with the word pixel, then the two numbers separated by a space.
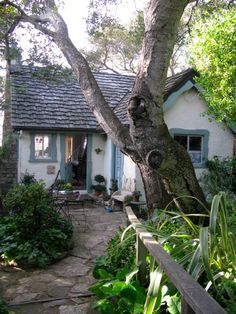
pixel 8 162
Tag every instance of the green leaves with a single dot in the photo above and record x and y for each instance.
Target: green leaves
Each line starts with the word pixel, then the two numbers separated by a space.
pixel 154 293
pixel 119 296
pixel 34 233
pixel 213 52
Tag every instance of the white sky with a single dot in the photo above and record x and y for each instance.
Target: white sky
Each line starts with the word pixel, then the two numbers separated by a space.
pixel 75 13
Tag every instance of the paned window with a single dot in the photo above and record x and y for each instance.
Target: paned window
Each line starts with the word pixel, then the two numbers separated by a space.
pixel 42 146
pixel 194 146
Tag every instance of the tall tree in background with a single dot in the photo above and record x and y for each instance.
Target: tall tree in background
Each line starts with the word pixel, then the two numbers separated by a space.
pixel 213 53
pixel 117 47
pixel 165 166
pixel 114 46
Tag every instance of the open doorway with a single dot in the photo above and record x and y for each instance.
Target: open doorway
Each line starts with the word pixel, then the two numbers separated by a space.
pixel 76 160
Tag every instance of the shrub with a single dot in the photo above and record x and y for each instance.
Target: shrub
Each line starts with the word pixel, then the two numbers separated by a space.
pixel 34 232
pixel 99 178
pixel 62 185
pixel 3 307
pixel 220 176
pixel 100 187
pixel 117 288
pixel 28 179
pixel 118 254
pixel 114 186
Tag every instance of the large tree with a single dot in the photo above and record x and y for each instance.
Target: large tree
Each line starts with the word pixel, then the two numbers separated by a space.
pixel 165 166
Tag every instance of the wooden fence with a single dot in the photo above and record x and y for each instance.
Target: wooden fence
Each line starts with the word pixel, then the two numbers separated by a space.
pixel 194 298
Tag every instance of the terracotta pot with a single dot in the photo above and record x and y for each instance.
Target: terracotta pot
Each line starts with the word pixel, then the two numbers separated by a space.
pixel 98 193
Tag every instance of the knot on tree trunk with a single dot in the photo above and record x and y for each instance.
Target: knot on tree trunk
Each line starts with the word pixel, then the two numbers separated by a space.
pixel 154 158
pixel 137 107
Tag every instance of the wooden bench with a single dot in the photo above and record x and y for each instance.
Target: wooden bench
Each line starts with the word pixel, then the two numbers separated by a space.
pixel 118 197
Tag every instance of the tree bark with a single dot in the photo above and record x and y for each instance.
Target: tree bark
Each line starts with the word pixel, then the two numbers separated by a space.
pixel 165 166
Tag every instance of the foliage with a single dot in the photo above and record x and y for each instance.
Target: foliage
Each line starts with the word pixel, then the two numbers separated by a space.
pixel 3 307
pixel 207 253
pixel 117 289
pixel 34 232
pixel 119 254
pixel 100 187
pixel 119 294
pixel 99 178
pixel 128 199
pixel 62 185
pixel 220 176
pixel 136 193
pixel 114 186
pixel 213 53
pixel 28 179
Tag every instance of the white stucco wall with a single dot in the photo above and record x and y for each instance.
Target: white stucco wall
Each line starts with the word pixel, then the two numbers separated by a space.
pixel 187 112
pixel 39 169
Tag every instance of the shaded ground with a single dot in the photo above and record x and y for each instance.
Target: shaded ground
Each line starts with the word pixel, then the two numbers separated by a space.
pixel 63 287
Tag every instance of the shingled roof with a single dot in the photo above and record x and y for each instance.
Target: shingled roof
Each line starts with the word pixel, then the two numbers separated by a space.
pixel 45 100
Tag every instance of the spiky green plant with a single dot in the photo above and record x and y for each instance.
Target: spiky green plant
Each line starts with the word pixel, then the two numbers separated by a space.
pixel 208 253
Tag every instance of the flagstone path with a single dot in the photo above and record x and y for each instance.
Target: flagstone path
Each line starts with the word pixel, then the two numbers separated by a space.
pixel 62 288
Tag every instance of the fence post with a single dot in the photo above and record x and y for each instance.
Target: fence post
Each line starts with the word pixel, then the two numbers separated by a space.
pixel 185 307
pixel 141 253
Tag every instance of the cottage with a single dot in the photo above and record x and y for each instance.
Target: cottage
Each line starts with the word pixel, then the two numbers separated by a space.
pixel 58 132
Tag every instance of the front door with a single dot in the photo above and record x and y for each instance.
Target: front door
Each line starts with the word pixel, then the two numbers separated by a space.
pixel 75 160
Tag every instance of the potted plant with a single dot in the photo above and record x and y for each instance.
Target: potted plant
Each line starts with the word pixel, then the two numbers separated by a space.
pixel 136 195
pixel 114 186
pixel 128 199
pixel 100 187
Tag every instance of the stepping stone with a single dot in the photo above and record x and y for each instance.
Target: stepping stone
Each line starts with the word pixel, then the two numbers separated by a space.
pixel 74 309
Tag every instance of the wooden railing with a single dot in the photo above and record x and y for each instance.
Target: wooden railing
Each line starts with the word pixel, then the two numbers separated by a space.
pixel 194 298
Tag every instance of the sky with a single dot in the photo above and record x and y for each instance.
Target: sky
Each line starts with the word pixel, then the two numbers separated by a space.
pixel 75 13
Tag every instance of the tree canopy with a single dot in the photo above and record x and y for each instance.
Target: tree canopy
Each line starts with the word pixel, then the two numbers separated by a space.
pixel 213 53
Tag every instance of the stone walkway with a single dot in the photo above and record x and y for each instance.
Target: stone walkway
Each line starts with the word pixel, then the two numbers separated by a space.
pixel 62 288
